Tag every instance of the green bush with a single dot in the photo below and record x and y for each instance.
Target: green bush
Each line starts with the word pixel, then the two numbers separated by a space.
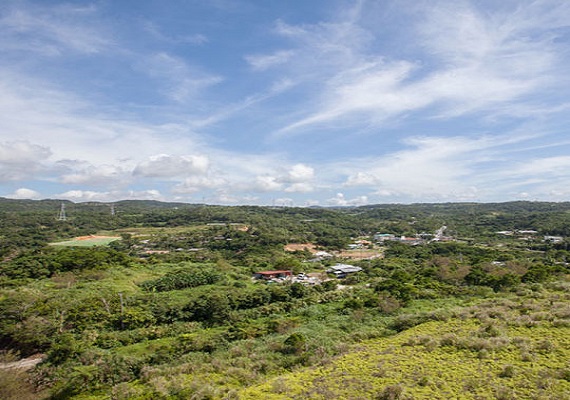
pixel 183 279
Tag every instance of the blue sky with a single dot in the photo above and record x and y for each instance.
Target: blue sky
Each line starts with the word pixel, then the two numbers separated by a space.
pixel 276 102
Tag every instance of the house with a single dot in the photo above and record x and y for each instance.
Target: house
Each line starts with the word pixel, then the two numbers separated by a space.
pixel 342 270
pixel 553 239
pixel 267 275
pixel 323 254
pixel 382 237
pixel 412 241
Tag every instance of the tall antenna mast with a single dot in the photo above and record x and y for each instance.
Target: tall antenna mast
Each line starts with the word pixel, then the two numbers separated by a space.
pixel 61 216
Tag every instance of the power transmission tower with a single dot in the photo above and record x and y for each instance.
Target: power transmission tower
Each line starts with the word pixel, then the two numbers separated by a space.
pixel 61 216
pixel 112 210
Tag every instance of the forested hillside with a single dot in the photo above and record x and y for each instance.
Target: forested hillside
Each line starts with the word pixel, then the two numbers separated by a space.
pixel 150 300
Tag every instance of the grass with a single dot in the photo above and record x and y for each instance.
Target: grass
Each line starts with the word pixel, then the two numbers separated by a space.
pixel 483 351
pixel 87 241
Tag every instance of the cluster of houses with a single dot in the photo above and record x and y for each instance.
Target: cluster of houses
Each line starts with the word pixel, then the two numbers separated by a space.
pixel 339 271
pixel 529 234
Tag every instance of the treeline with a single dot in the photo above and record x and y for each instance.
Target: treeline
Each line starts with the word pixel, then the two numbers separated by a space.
pixel 46 262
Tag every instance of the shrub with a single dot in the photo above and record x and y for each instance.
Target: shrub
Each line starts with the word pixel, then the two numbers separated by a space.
pixel 182 279
pixel 391 392
pixel 296 343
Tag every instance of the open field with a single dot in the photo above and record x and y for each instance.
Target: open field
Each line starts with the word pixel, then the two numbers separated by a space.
pixel 88 241
pixel 360 254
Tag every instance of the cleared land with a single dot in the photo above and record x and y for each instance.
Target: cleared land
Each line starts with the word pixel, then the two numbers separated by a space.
pixel 88 241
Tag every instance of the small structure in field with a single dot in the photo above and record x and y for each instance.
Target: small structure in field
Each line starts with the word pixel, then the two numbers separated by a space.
pixel 267 275
pixel 343 270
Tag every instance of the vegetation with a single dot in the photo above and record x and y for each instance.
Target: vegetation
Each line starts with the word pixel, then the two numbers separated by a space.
pixel 171 311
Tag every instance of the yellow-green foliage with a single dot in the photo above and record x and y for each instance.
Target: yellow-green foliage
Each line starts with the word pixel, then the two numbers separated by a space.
pixel 503 349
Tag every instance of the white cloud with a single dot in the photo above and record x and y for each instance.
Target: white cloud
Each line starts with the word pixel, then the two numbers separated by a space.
pixel 263 62
pixel 546 168
pixel 463 67
pixel 300 173
pixel 437 169
pixel 24 193
pixel 300 187
pixel 267 184
pixel 96 175
pixel 70 128
pixel 283 202
pixel 297 178
pixel 90 195
pixel 21 159
pixel 471 62
pixel 181 81
pixel 361 179
pixel 169 166
pixel 22 152
pixel 157 33
pixel 51 30
pixel 341 201
pixel 85 195
pixel 197 183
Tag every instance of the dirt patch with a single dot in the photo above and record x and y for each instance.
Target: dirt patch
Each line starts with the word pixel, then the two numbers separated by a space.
pixel 360 254
pixel 24 363
pixel 90 237
pixel 300 247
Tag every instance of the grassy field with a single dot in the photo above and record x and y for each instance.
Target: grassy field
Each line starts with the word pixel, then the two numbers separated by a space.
pixel 503 349
pixel 87 241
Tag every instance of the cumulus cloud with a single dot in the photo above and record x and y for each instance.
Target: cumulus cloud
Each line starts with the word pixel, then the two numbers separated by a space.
pixel 22 152
pixel 197 183
pixel 96 175
pixel 21 159
pixel 300 187
pixel 341 201
pixel 24 193
pixel 109 196
pixel 267 184
pixel 296 178
pixel 300 173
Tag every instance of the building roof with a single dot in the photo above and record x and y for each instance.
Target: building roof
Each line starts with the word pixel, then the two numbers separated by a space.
pixel 287 271
pixel 345 268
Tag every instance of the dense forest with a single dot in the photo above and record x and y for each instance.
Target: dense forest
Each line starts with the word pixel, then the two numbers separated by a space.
pixel 151 300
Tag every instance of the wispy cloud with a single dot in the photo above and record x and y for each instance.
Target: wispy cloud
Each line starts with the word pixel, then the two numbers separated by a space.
pixel 472 62
pixel 51 30
pixel 447 168
pixel 159 34
pixel 263 62
pixel 180 80
pixel 352 103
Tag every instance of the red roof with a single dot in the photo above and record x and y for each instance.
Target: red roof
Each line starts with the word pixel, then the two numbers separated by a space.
pixel 286 272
